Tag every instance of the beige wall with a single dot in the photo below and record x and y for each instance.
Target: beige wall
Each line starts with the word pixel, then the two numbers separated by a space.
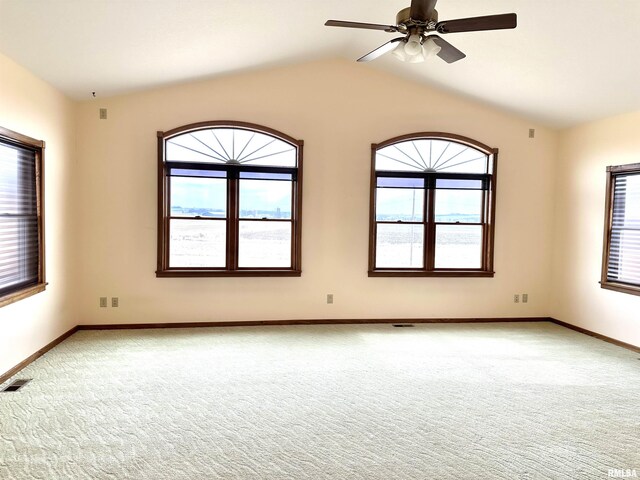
pixel 31 107
pixel 338 108
pixel 101 205
pixel 585 152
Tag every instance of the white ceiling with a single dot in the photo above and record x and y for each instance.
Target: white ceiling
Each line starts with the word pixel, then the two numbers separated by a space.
pixel 567 62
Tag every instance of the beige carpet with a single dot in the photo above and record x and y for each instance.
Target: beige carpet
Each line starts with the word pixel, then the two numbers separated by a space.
pixel 484 401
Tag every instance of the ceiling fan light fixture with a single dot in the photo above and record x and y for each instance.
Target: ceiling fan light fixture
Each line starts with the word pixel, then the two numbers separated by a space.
pixel 430 48
pixel 413 46
pixel 399 52
pixel 417 58
pixel 417 22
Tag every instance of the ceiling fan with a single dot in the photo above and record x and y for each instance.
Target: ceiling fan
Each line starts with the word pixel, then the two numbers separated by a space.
pixel 416 24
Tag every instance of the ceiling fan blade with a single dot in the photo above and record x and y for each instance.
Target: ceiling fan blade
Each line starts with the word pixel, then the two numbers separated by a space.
pixel 381 50
pixel 474 24
pixel 447 52
pixel 421 10
pixel 369 26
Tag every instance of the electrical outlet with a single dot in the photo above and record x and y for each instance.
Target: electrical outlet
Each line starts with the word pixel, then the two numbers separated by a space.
pixel 114 301
pixel 525 297
pixel 516 298
pixel 329 298
pixel 103 302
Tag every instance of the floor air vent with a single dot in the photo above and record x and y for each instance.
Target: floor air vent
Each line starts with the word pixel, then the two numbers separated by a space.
pixel 16 385
pixel 402 325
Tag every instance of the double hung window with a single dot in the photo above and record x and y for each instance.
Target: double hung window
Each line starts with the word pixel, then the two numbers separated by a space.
pixel 229 201
pixel 21 217
pixel 621 256
pixel 432 206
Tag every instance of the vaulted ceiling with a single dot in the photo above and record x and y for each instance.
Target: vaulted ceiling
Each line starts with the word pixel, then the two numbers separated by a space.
pixel 567 62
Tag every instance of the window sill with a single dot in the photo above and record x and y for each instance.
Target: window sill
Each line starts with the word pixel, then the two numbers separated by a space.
pixel 22 294
pixel 227 273
pixel 422 273
pixel 621 287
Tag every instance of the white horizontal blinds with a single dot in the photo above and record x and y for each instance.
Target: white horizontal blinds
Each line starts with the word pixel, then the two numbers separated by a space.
pixel 19 242
pixel 624 250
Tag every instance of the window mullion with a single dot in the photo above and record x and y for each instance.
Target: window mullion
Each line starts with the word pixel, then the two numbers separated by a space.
pixel 429 217
pixel 233 215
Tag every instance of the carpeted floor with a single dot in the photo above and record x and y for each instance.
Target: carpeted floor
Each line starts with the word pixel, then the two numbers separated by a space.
pixel 482 401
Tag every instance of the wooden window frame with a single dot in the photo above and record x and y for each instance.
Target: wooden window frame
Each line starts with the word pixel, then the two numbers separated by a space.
pixel 233 219
pixel 489 209
pixel 9 137
pixel 612 172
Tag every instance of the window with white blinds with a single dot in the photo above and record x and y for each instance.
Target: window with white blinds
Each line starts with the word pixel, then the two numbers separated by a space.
pixel 21 249
pixel 621 266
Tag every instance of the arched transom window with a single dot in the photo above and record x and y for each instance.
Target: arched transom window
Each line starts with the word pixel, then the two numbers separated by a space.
pixel 432 206
pixel 230 201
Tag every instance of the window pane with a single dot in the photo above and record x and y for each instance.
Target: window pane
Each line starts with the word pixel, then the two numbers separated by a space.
pixel 404 204
pixel 19 241
pixel 626 201
pixel 431 155
pixel 399 246
pixel 464 206
pixel 197 243
pixel 458 246
pixel 187 172
pixel 204 197
pixel 18 251
pixel 400 182
pixel 235 146
pixel 459 183
pixel 462 159
pixel 266 175
pixel 624 254
pixel 17 181
pixel 264 244
pixel 265 199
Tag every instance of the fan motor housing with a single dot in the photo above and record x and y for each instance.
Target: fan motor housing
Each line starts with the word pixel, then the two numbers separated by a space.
pixel 404 18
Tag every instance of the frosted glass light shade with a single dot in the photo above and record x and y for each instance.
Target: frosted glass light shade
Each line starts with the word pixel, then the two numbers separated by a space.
pixel 399 52
pixel 413 45
pixel 430 48
pixel 420 57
